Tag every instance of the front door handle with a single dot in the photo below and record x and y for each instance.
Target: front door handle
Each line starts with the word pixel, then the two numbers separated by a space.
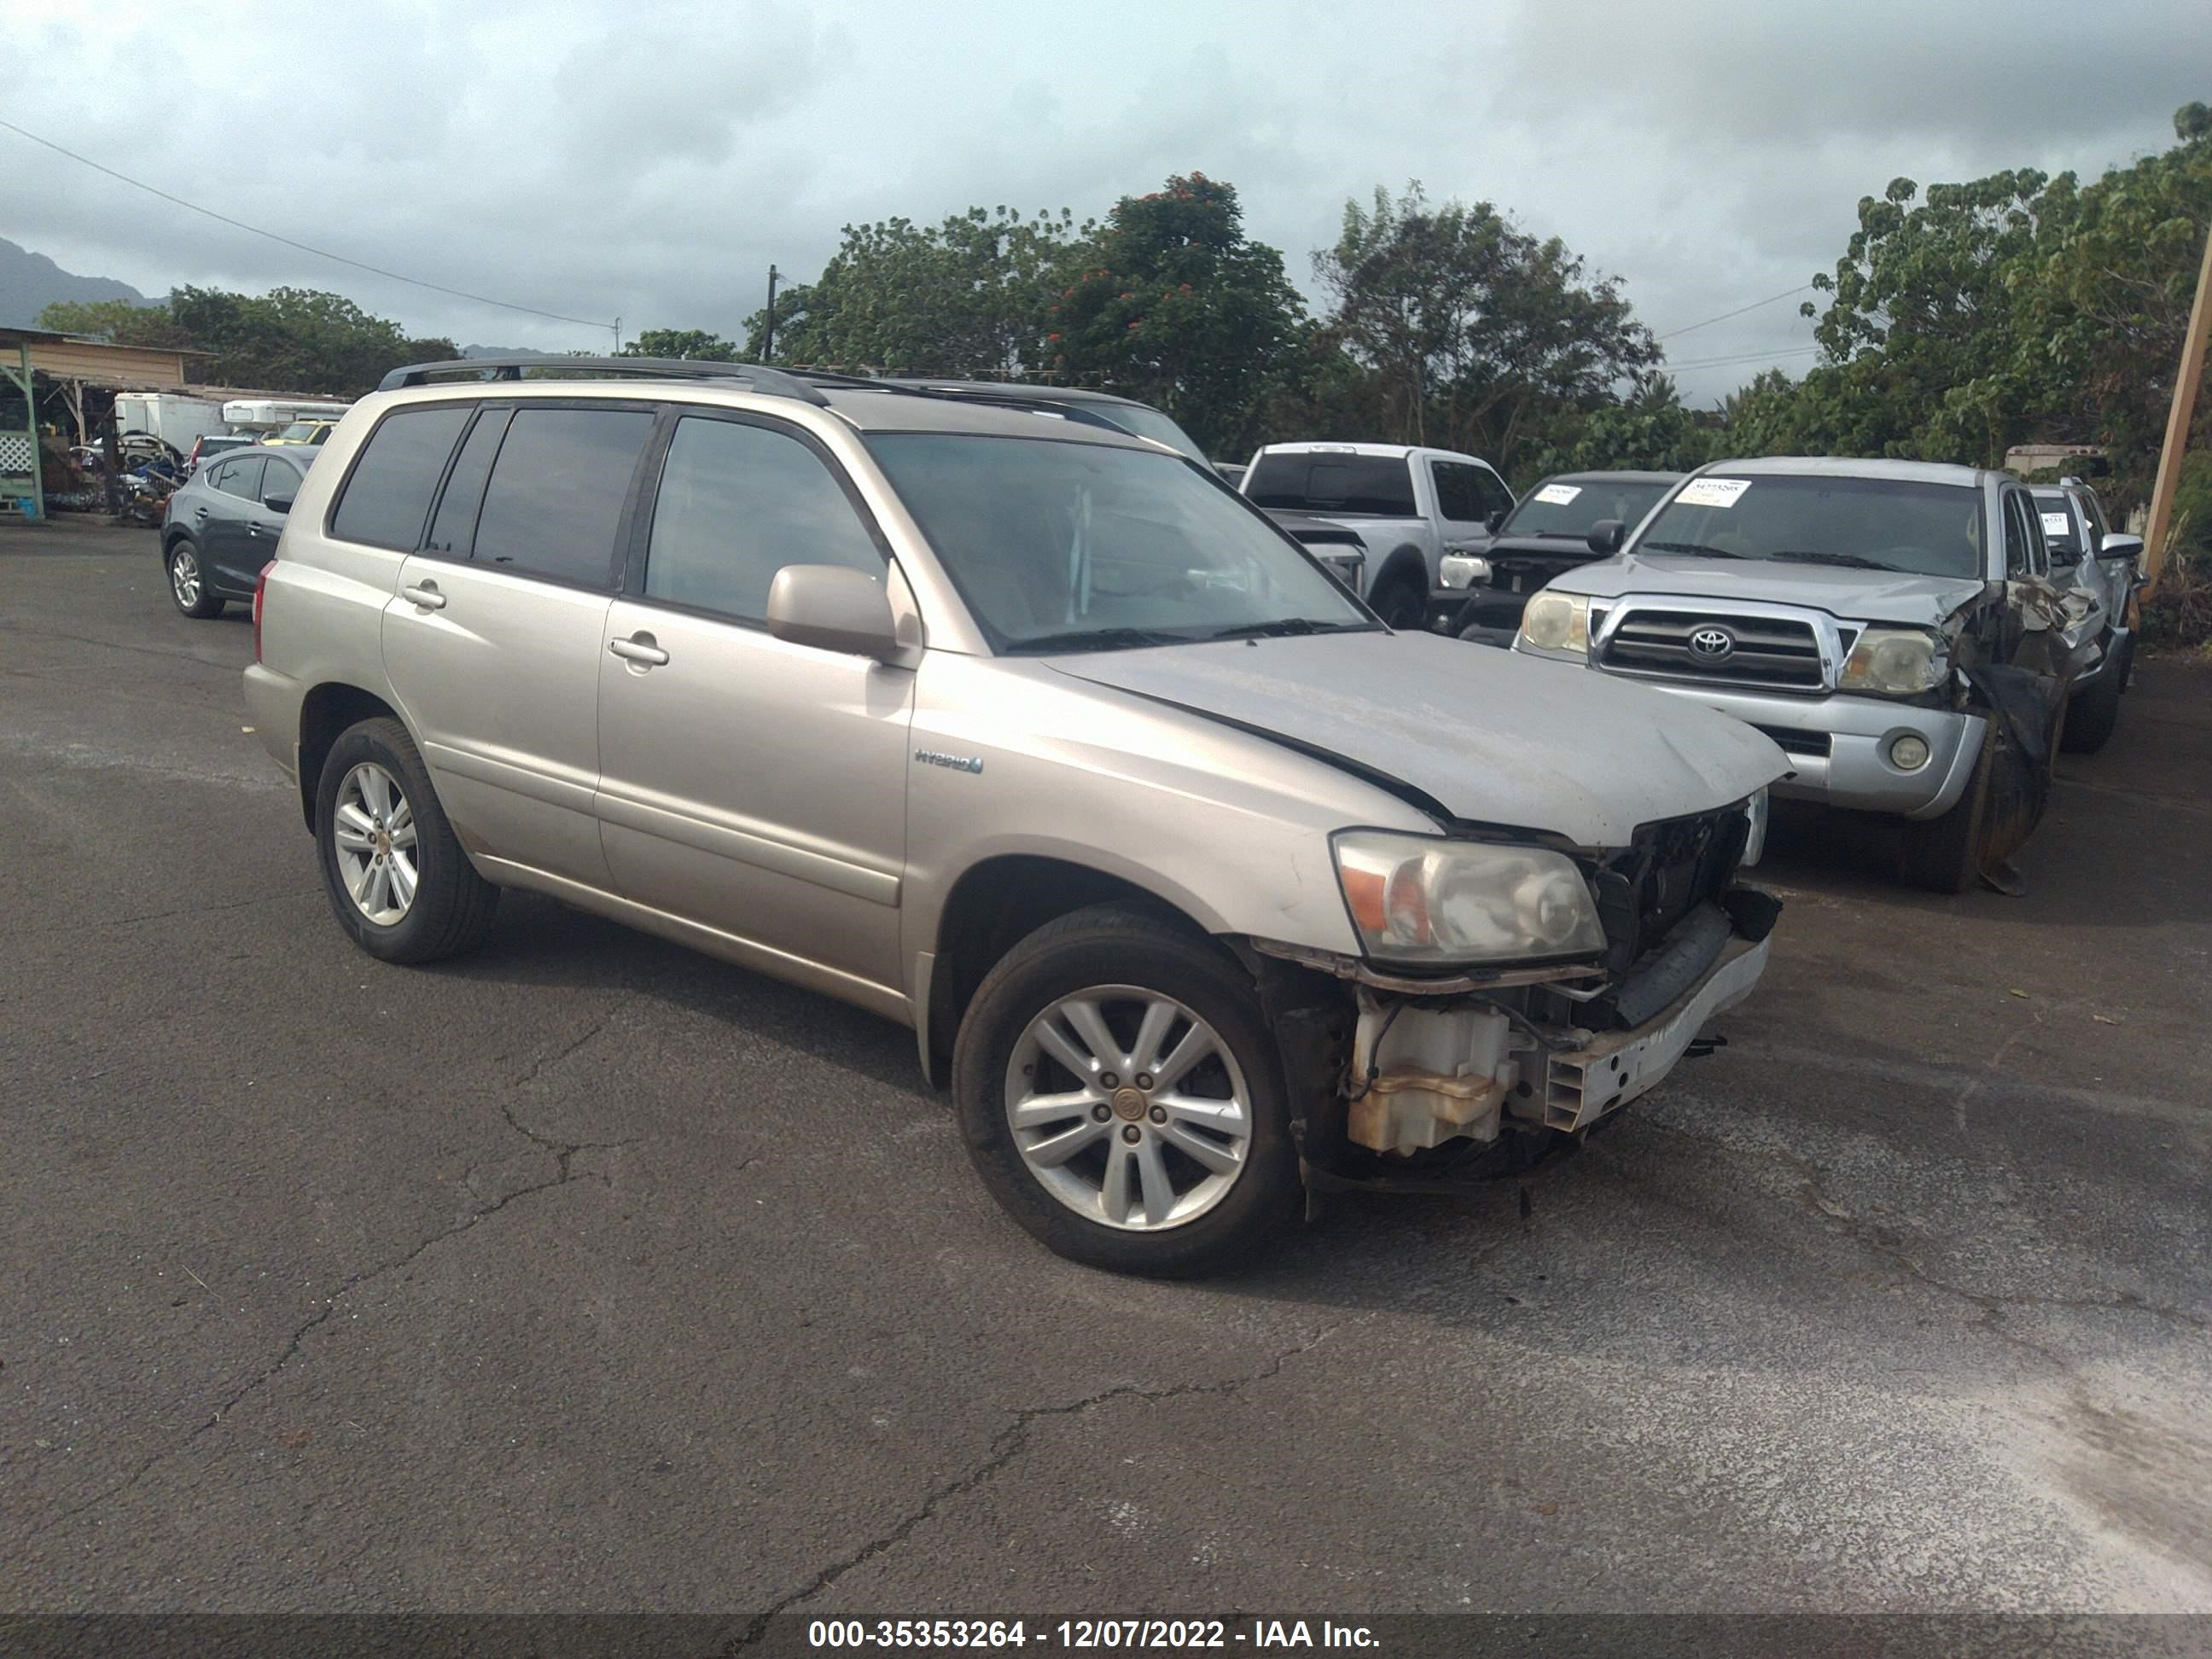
pixel 638 648
pixel 426 594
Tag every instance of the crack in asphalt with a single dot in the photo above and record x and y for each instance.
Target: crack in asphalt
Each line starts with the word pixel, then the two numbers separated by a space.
pixel 564 1153
pixel 211 909
pixel 1006 1446
pixel 1814 1196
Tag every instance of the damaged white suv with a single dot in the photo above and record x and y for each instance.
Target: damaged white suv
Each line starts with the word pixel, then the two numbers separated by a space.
pixel 1196 881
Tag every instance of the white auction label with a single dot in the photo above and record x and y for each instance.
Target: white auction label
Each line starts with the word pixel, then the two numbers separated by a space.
pixel 2058 524
pixel 1711 492
pixel 1559 494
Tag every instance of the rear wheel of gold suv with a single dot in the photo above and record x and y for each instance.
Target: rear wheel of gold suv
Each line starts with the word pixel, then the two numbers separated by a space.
pixel 399 881
pixel 1121 1096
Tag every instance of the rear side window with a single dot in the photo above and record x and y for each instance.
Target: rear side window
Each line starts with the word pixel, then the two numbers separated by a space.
pixel 557 492
pixel 241 478
pixel 737 504
pixel 388 496
pixel 455 525
pixel 1459 496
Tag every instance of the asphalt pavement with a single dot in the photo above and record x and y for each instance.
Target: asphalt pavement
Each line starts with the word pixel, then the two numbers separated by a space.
pixel 590 1274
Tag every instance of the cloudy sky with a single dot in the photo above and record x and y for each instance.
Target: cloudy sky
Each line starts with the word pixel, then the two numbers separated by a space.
pixel 647 161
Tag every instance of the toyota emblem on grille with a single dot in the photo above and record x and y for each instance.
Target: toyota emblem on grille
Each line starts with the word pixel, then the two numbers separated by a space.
pixel 1711 644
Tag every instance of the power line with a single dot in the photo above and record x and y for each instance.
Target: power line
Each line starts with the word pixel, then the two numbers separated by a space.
pixel 1744 357
pixel 1691 328
pixel 320 252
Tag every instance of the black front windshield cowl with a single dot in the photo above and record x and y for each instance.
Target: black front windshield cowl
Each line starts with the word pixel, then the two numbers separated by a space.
pixel 1568 508
pixel 1056 544
pixel 1331 484
pixel 1900 525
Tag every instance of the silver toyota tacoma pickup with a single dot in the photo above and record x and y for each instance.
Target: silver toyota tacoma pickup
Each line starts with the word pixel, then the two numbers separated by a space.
pixel 1893 625
pixel 1195 879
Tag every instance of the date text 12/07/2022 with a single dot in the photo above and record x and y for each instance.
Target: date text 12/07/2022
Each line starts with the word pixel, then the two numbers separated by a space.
pixel 1088 1634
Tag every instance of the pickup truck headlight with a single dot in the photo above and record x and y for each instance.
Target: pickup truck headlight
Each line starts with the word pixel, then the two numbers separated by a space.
pixel 1556 622
pixel 1895 662
pixel 1418 898
pixel 1457 570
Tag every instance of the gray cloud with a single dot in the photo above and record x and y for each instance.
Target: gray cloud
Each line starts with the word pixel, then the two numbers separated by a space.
pixel 649 161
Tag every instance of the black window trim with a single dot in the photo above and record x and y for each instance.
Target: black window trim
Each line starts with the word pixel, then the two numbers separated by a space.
pixel 352 466
pixel 468 551
pixel 645 499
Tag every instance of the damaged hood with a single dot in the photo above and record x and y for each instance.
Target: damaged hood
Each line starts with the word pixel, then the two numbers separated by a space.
pixel 1495 737
pixel 1882 596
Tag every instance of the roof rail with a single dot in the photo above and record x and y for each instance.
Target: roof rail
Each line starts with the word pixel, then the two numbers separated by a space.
pixel 774 382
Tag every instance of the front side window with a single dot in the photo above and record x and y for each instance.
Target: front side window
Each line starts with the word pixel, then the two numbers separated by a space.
pixel 556 491
pixel 1334 483
pixel 738 502
pixel 388 495
pixel 1866 523
pixel 1076 546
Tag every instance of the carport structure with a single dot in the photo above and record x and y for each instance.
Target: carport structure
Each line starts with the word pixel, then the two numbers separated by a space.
pixel 74 363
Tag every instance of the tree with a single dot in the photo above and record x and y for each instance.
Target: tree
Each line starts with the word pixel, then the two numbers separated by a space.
pixel 681 342
pixel 1175 306
pixel 1480 336
pixel 1650 430
pixel 126 322
pixel 965 298
pixel 296 339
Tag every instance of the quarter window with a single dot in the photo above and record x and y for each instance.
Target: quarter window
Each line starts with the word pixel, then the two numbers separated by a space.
pixel 388 496
pixel 281 480
pixel 738 503
pixel 557 492
pixel 456 523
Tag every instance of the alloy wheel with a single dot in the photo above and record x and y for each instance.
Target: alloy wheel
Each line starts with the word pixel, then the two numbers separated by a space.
pixel 185 576
pixel 375 829
pixel 1128 1108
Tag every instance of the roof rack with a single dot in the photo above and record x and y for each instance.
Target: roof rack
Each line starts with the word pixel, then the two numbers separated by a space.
pixel 774 382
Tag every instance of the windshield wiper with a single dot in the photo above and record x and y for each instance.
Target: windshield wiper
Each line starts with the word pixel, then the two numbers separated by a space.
pixel 1697 547
pixel 1286 625
pixel 1851 560
pixel 1096 639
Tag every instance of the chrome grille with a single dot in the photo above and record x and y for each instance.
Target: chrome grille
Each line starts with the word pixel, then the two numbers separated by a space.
pixel 1760 650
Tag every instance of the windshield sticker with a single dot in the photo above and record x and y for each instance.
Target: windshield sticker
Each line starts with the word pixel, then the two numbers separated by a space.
pixel 1559 494
pixel 1711 492
pixel 2058 524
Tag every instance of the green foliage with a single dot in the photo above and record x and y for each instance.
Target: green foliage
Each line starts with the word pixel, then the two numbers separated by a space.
pixel 123 321
pixel 1650 430
pixel 681 342
pixel 1174 305
pixel 965 298
pixel 1479 337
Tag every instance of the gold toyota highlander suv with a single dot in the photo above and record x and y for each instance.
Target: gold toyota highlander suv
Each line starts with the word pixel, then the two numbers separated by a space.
pixel 1201 886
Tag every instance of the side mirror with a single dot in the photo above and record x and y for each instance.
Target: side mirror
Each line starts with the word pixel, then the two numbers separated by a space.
pixel 2121 546
pixel 277 503
pixel 1605 537
pixel 834 607
pixel 1496 519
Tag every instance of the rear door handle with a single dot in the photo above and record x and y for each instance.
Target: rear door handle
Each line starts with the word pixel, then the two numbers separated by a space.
pixel 638 648
pixel 426 595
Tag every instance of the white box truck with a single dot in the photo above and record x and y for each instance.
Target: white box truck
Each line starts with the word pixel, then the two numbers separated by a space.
pixel 172 416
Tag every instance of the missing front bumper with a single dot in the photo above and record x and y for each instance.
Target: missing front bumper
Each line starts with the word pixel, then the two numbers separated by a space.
pixel 1582 1085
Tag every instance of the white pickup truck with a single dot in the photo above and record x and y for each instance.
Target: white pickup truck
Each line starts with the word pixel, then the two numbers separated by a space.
pixel 1409 506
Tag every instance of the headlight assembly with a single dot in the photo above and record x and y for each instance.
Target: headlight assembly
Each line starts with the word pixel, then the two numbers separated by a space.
pixel 1557 622
pixel 1895 662
pixel 1458 570
pixel 1417 898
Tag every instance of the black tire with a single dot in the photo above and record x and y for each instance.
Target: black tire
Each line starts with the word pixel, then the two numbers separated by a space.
pixel 1400 603
pixel 451 906
pixel 187 572
pixel 1120 945
pixel 1944 855
pixel 2091 717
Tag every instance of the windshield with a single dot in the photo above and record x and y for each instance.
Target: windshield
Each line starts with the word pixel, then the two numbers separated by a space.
pixel 1333 482
pixel 2060 532
pixel 1872 524
pixel 1075 546
pixel 301 431
pixel 1569 506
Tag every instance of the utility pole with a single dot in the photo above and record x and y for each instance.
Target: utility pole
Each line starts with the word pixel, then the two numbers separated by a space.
pixel 2186 385
pixel 768 328
pixel 617 337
